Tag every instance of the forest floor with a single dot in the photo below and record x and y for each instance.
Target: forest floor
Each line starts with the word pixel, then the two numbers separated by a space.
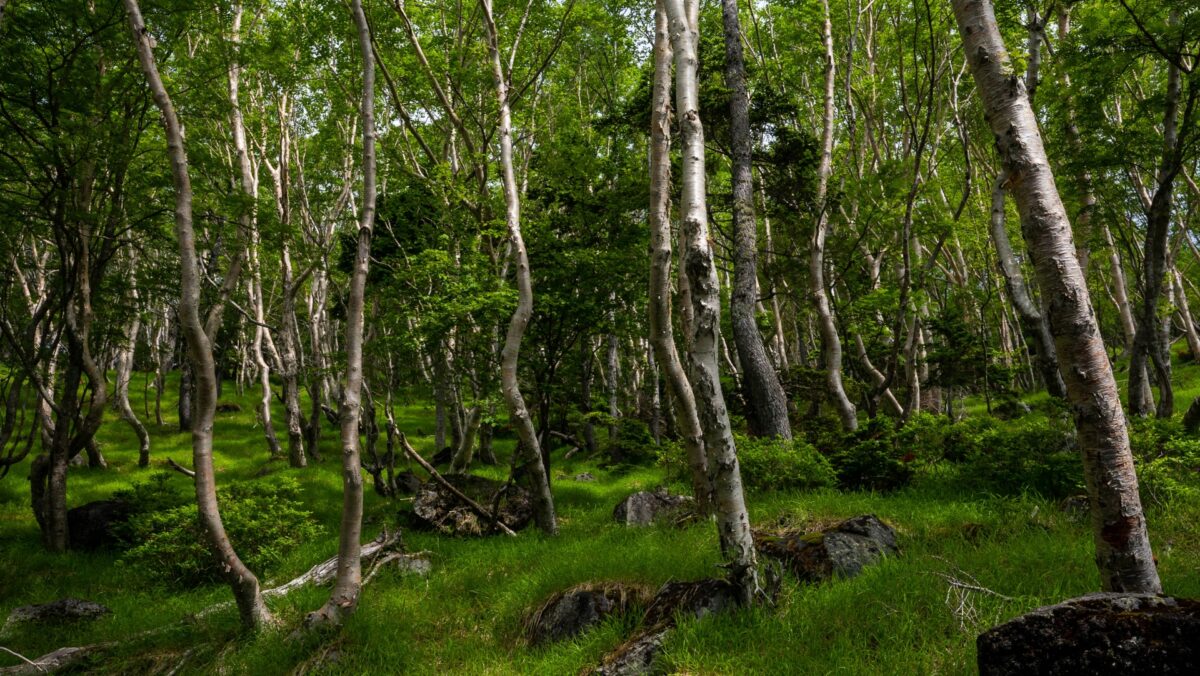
pixel 902 616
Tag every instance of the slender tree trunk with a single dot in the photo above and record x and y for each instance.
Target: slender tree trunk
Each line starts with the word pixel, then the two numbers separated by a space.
pixel 344 597
pixel 1032 321
pixel 766 404
pixel 733 522
pixel 585 394
pixel 248 183
pixel 246 590
pixel 1150 341
pixel 1083 177
pixel 464 453
pixel 185 405
pixel 289 333
pixel 162 361
pixel 662 335
pixel 1185 314
pixel 831 343
pixel 612 367
pixel 124 373
pixel 510 355
pixel 1123 552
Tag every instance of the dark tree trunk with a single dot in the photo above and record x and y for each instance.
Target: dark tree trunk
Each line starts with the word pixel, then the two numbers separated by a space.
pixel 766 405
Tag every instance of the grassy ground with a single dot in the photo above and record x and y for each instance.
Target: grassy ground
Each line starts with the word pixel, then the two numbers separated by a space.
pixel 899 617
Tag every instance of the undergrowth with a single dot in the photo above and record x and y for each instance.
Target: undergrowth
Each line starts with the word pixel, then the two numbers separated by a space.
pixel 899 617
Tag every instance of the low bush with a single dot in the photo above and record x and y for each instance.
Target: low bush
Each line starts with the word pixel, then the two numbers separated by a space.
pixel 1035 456
pixel 873 457
pixel 776 464
pixel 264 519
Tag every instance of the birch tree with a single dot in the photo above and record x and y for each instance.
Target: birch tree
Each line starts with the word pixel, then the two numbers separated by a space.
pixel 246 590
pixel 1123 552
pixel 733 522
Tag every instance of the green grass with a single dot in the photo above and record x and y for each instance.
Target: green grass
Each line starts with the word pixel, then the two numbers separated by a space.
pixel 899 617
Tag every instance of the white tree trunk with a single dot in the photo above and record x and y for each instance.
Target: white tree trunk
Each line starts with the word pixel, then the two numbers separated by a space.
pixel 1123 552
pixel 733 522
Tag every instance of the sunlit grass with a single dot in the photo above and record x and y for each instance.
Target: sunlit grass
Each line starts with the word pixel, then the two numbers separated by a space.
pixel 466 616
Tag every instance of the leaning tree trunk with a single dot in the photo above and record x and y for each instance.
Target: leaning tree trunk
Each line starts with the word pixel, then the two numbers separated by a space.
pixel 246 590
pixel 1123 552
pixel 509 385
pixel 1032 322
pixel 344 597
pixel 766 404
pixel 831 343
pixel 662 335
pixel 733 522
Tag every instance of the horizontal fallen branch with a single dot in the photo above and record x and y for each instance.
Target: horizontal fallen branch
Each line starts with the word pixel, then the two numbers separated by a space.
pixel 180 468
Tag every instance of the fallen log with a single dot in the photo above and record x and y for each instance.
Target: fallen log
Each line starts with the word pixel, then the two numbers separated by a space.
pixel 382 550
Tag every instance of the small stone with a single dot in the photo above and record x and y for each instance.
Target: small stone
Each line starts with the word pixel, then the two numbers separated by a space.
pixel 585 476
pixel 1097 634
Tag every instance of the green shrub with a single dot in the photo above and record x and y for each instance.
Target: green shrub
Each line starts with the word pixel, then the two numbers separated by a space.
pixel 776 464
pixel 1036 457
pixel 872 458
pixel 1167 459
pixel 766 464
pixel 264 519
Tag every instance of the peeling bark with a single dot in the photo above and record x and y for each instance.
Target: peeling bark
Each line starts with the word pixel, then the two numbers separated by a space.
pixel 1123 552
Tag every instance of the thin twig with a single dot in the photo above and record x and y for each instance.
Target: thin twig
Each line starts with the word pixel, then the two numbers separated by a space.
pixel 24 659
pixel 450 487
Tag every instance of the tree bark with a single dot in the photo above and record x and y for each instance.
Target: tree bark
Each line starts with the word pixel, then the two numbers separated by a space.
pixel 344 598
pixel 1032 322
pixel 510 386
pixel 662 335
pixel 733 522
pixel 246 589
pixel 766 404
pixel 1123 552
pixel 831 343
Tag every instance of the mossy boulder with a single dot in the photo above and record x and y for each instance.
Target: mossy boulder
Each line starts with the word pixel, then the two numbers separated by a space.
pixel 844 550
pixel 1097 634
pixel 435 507
pixel 646 508
pixel 570 612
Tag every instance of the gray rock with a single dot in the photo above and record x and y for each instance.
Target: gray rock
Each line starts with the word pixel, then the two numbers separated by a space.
pixel 1126 634
pixel 646 508
pixel 699 599
pixel 437 508
pixel 93 526
pixel 843 550
pixel 55 612
pixel 569 613
pixel 585 476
